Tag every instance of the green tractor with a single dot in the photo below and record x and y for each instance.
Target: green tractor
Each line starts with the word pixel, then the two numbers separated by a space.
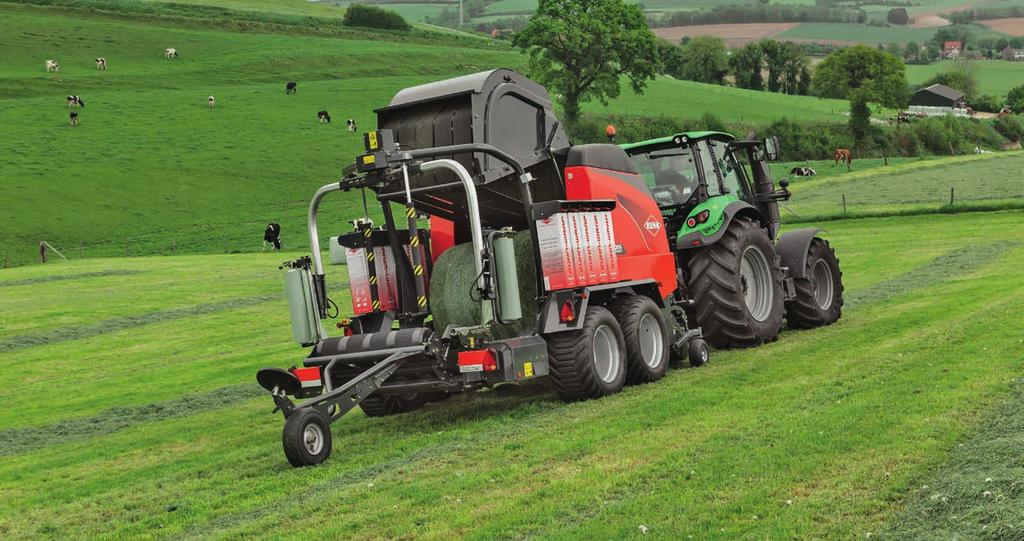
pixel 720 208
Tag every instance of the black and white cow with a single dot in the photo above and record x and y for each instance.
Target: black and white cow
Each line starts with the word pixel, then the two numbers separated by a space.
pixel 51 65
pixel 211 101
pixel 74 118
pixel 101 63
pixel 291 87
pixel 75 100
pixel 351 125
pixel 272 235
pixel 322 116
pixel 803 171
pixel 170 52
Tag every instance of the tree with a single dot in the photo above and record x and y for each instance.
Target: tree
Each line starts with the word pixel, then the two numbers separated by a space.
pixel 671 57
pixel 581 49
pixel 373 17
pixel 898 16
pixel 746 64
pixel 962 76
pixel 1015 99
pixel 911 51
pixel 860 115
pixel 775 57
pixel 705 60
pixel 959 33
pixel 880 75
pixel 931 52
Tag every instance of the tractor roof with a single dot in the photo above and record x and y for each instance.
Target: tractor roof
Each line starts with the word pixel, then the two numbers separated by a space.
pixel 669 138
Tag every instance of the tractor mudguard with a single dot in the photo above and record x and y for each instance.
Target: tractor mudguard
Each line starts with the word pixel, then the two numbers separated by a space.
pixel 792 248
pixel 550 321
pixel 718 221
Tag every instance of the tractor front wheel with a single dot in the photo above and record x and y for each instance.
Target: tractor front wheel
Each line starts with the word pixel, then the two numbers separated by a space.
pixel 589 362
pixel 736 285
pixel 306 438
pixel 819 294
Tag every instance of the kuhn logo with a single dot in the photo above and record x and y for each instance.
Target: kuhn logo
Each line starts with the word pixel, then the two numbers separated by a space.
pixel 652 225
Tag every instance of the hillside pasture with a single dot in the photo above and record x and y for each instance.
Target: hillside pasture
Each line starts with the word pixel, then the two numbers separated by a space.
pixel 141 416
pixel 995 77
pixel 847 33
pixel 977 181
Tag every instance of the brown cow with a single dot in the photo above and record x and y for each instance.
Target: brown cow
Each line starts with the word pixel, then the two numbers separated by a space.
pixel 844 155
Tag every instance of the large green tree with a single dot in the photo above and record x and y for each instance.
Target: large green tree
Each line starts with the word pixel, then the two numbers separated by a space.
pixel 746 64
pixel 961 76
pixel 705 60
pixel 581 49
pixel 1015 99
pixel 880 76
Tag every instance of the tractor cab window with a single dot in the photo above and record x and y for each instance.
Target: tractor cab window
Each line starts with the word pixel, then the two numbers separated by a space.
pixel 733 175
pixel 670 173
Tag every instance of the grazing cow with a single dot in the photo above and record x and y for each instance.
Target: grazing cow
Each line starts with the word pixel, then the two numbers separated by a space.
pixel 51 65
pixel 290 88
pixel 211 102
pixel 74 118
pixel 101 63
pixel 322 116
pixel 803 171
pixel 75 100
pixel 272 234
pixel 351 125
pixel 171 53
pixel 843 155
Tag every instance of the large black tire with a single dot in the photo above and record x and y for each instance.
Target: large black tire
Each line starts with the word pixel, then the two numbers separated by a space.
pixel 819 295
pixel 646 337
pixel 579 370
pixel 306 438
pixel 722 291
pixel 377 405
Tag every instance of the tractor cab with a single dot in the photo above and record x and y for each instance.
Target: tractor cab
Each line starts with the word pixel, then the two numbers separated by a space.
pixel 687 170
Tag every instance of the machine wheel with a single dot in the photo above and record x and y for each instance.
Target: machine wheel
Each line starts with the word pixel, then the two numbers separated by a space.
pixel 819 296
pixel 377 405
pixel 589 362
pixel 646 337
pixel 306 438
pixel 698 353
pixel 737 287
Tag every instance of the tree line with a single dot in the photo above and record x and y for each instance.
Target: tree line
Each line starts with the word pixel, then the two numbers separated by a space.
pixel 760 13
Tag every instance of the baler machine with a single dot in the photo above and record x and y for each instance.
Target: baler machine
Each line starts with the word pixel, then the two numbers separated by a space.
pixel 540 259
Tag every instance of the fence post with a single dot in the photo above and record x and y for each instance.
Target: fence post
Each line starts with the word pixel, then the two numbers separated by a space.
pixel 951 196
pixel 126 247
pixel 225 246
pixel 81 252
pixel 844 205
pixel 7 255
pixel 174 246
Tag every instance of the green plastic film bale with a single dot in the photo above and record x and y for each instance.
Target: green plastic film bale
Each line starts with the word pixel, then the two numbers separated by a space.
pixel 507 279
pixel 298 289
pixel 454 299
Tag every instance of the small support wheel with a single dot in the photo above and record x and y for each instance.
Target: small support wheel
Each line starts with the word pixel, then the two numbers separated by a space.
pixel 698 353
pixel 306 438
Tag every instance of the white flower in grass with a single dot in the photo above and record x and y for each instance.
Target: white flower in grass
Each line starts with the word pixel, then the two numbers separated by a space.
pixel 988 479
pixel 986 494
pixel 644 529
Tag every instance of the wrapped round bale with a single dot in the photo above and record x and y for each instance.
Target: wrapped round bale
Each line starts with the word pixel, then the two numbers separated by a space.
pixel 454 299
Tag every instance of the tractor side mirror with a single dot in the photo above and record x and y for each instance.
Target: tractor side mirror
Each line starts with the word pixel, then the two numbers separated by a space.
pixel 784 183
pixel 771 148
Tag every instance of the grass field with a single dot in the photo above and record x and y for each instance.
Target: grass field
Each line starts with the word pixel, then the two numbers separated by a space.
pixel 995 77
pixel 862 33
pixel 131 412
pixel 988 180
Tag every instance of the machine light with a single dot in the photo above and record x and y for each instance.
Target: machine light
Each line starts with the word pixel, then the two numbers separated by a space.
pixel 567 313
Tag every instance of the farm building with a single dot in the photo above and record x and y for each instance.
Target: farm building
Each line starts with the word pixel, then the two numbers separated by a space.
pixel 1010 53
pixel 951 49
pixel 938 96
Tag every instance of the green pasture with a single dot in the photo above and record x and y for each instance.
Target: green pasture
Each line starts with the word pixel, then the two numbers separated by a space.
pixel 863 33
pixel 140 418
pixel 977 182
pixel 995 77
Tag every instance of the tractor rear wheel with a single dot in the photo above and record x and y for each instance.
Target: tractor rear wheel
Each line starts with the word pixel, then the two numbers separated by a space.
pixel 646 338
pixel 377 405
pixel 306 438
pixel 589 362
pixel 736 285
pixel 819 295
